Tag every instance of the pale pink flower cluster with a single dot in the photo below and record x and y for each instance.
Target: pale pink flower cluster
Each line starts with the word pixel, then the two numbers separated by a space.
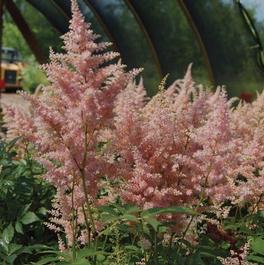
pixel 19 124
pixel 183 146
pixel 68 121
pixel 187 144
pixel 248 124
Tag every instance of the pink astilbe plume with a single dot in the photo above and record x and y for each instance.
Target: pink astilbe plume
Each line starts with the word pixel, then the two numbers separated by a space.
pixel 20 124
pixel 69 118
pixel 181 148
pixel 247 122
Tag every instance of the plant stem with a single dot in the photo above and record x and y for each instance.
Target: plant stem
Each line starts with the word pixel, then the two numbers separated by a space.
pixel 200 200
pixel 86 144
pixel 87 225
pixel 187 227
pixel 155 248
pixel 89 210
pixel 170 248
pixel 73 223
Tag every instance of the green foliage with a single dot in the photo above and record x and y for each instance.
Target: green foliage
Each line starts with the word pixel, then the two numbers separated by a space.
pixel 13 38
pixel 24 202
pixel 131 235
pixel 32 76
pixel 257 247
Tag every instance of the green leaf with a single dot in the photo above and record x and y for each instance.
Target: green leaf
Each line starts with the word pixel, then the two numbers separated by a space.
pixel 196 259
pixel 4 246
pixel 43 210
pixel 13 248
pixel 29 218
pixel 19 228
pixel 130 217
pixel 40 247
pixel 146 229
pixel 169 210
pixel 163 229
pixel 107 231
pixel 23 250
pixel 257 245
pixel 132 209
pixel 211 251
pixel 109 209
pixel 46 260
pixel 153 222
pixel 81 262
pixel 11 259
pixel 106 217
pixel 132 248
pixel 254 258
pixel 89 252
pixel 8 234
pixel 25 209
pixel 101 257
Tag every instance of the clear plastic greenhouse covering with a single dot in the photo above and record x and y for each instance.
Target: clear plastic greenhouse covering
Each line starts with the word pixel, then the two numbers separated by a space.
pixel 230 46
pixel 163 37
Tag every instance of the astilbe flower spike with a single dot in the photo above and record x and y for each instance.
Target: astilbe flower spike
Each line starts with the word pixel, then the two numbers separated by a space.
pixel 187 145
pixel 68 120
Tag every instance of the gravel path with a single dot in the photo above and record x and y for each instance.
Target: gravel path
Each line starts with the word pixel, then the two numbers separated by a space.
pixel 13 99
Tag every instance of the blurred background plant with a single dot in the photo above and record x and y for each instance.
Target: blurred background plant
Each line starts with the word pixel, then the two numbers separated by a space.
pixel 32 76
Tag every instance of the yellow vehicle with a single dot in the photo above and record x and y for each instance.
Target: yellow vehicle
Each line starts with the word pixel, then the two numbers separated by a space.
pixel 11 67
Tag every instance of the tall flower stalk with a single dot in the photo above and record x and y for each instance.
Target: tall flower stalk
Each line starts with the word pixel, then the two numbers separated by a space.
pixel 67 123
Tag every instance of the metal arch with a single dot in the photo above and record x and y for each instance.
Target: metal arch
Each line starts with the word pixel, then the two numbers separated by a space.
pixel 59 26
pixel 254 33
pixel 103 24
pixel 199 39
pixel 25 30
pixel 60 9
pixel 146 34
pixel 61 5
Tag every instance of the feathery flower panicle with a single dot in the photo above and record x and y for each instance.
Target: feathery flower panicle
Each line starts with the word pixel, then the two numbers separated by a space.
pixel 19 124
pixel 69 119
pixel 186 145
pixel 247 122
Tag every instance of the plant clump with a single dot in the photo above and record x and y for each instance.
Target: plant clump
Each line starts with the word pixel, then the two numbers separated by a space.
pixel 184 164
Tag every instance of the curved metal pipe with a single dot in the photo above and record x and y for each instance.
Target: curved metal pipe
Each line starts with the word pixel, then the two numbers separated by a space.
pixel 200 41
pixel 25 30
pixel 103 24
pixel 147 36
pixel 60 27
